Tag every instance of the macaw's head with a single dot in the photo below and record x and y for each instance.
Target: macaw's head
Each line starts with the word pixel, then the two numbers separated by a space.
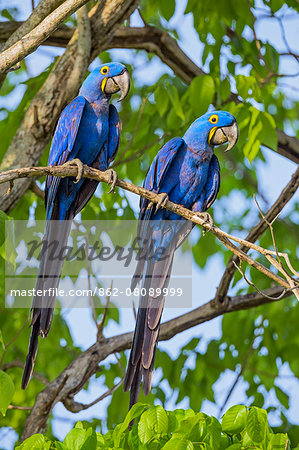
pixel 215 128
pixel 105 81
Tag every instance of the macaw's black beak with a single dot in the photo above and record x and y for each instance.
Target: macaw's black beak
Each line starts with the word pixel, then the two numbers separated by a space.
pixel 228 134
pixel 119 83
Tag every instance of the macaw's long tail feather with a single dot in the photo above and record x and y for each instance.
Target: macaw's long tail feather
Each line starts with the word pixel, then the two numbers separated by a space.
pixel 142 356
pixel 52 258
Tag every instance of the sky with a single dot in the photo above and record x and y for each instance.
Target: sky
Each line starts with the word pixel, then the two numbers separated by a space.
pixel 272 176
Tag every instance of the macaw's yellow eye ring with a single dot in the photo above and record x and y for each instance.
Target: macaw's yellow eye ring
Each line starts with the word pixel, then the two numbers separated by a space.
pixel 214 119
pixel 104 70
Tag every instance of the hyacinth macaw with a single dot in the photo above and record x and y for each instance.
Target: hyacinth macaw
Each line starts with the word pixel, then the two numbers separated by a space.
pixel 187 172
pixel 88 132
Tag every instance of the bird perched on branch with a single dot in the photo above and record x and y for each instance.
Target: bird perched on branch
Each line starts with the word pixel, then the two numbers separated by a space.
pixel 88 132
pixel 187 172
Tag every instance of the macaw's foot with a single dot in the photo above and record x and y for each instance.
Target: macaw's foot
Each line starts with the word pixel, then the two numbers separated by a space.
pixel 207 218
pixel 113 177
pixel 163 199
pixel 79 164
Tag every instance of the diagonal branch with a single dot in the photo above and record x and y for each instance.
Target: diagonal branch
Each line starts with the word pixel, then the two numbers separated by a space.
pixel 225 238
pixel 19 29
pixel 72 379
pixel 28 43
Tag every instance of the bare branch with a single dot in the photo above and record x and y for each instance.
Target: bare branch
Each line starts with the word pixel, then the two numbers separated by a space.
pixel 225 238
pixel 18 363
pixel 28 43
pixel 59 38
pixel 78 372
pixel 42 10
pixel 76 407
pixel 21 408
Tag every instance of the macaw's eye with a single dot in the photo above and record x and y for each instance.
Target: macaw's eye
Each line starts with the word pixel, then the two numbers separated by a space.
pixel 213 119
pixel 104 70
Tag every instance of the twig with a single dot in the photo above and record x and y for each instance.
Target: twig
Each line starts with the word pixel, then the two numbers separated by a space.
pixel 37 190
pixel 21 408
pixel 76 407
pixel 18 363
pixel 120 364
pixel 257 289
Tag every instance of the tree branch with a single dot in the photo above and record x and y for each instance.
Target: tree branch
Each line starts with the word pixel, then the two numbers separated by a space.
pixel 225 238
pixel 28 43
pixel 59 38
pixel 72 379
pixel 42 10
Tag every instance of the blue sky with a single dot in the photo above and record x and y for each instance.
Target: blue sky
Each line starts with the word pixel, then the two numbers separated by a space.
pixel 272 175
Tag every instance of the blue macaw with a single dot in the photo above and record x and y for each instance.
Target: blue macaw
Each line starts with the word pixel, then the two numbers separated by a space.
pixel 88 132
pixel 187 172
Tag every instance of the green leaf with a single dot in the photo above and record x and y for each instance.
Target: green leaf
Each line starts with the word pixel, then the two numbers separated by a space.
pixel 224 89
pixel 152 422
pixel 178 444
pixel 161 99
pixel 244 84
pixel 268 133
pixel 167 8
pixel 7 390
pixel 81 439
pixel 175 100
pixel 201 93
pixel 234 420
pixel 134 413
pixel 256 424
pixel 35 442
pixel 278 441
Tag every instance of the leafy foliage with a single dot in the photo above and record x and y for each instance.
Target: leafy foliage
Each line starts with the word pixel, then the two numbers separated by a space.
pixel 156 428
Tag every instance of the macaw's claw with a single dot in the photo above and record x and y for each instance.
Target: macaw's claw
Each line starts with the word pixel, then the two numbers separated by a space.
pixel 163 199
pixel 113 177
pixel 79 164
pixel 207 219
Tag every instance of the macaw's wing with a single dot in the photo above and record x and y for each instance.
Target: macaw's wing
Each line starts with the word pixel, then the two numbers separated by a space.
pixel 105 157
pixel 62 148
pixel 153 182
pixel 114 133
pixel 213 182
pixel 158 170
pixel 209 193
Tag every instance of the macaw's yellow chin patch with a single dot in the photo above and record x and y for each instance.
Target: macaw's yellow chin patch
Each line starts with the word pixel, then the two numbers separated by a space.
pixel 103 84
pixel 211 134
